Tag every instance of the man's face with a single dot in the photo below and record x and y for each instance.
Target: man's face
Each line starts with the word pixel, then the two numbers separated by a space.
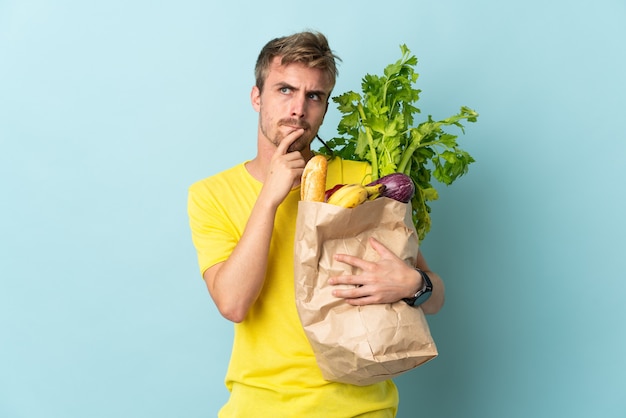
pixel 294 96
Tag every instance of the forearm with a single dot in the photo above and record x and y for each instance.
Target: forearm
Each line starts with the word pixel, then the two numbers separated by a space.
pixel 436 300
pixel 236 283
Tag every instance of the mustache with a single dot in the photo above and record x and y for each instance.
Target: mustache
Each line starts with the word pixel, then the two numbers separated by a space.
pixel 295 123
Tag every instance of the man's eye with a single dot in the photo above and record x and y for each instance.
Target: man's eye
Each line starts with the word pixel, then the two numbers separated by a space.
pixel 285 90
pixel 314 96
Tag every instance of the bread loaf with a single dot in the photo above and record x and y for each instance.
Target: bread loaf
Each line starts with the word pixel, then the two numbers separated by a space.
pixel 313 182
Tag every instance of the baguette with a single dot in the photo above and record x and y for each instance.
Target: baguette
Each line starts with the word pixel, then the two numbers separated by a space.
pixel 313 182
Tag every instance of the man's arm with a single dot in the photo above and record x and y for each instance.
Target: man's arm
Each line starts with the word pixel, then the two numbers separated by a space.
pixel 437 298
pixel 236 283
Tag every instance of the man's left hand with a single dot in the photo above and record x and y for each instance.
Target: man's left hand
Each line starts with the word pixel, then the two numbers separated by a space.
pixel 387 280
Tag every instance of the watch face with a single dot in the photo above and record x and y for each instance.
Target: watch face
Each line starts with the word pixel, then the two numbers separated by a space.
pixel 423 297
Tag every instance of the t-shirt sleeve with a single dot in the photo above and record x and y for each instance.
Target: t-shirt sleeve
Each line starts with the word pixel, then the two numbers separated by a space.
pixel 213 235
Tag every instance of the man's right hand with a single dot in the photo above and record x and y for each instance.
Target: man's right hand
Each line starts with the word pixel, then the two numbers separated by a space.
pixel 285 170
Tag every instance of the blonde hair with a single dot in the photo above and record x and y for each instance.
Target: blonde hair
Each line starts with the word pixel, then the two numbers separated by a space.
pixel 309 48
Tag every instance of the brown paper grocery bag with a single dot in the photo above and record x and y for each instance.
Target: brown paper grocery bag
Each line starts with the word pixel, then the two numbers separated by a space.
pixel 360 345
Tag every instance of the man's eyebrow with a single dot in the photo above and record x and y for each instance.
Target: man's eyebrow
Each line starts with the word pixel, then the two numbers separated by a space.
pixel 282 84
pixel 319 93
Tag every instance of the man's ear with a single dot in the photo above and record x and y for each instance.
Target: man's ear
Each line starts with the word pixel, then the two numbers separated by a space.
pixel 255 98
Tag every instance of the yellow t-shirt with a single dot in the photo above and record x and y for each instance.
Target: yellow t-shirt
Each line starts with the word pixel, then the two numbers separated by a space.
pixel 272 371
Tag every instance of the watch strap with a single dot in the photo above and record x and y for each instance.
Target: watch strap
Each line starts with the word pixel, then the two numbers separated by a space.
pixel 423 293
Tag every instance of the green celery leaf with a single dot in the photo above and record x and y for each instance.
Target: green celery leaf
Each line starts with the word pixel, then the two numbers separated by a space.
pixel 379 126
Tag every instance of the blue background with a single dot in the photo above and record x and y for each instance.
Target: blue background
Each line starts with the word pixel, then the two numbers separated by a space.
pixel 110 110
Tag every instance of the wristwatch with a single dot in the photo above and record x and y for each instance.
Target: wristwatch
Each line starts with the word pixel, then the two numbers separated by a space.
pixel 422 294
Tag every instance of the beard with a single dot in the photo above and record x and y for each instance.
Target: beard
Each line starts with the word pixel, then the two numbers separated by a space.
pixel 299 144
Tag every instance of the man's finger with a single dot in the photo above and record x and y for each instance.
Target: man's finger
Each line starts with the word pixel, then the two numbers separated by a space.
pixel 352 260
pixel 288 140
pixel 379 247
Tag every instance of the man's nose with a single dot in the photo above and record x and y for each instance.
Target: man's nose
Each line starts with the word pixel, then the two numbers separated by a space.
pixel 298 106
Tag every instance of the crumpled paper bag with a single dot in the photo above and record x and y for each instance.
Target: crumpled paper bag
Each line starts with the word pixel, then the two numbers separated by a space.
pixel 359 345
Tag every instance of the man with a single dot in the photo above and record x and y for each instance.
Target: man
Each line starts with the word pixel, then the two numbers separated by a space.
pixel 243 226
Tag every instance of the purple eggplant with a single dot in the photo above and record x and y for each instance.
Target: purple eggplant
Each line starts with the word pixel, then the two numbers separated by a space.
pixel 398 186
